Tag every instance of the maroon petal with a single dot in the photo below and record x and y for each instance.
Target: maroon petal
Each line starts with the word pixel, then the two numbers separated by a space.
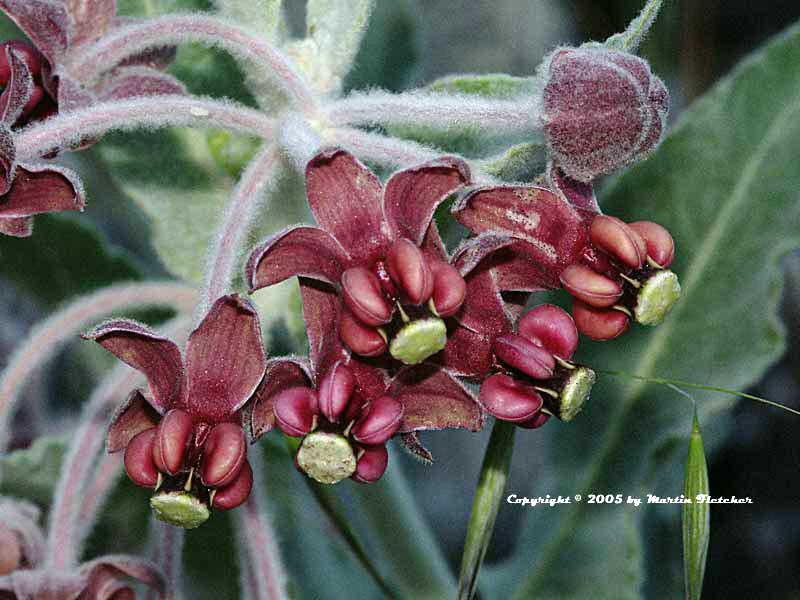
pixel 90 19
pixel 235 493
pixel 411 270
pixel 578 193
pixel 484 311
pixel 552 328
pixel 551 233
pixel 379 421
pixel 412 195
pixel 172 439
pixel 225 359
pixel 134 416
pixel 281 374
pixel 8 159
pixel 410 441
pixel 305 251
pixel 449 288
pixel 371 465
pixel 133 82
pixel 525 356
pixel 112 566
pixel 156 357
pixel 17 227
pixel 334 391
pixel 474 250
pixel 433 399
pixel 509 399
pixel 467 354
pixel 322 306
pixel 295 410
pixel 40 189
pixel 18 90
pixel 45 22
pixel 345 198
pixel 139 463
pixel 224 454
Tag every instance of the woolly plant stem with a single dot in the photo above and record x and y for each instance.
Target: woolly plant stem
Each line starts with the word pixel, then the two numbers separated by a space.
pixel 170 30
pixel 440 111
pixel 66 129
pixel 266 575
pixel 236 221
pixel 47 338
pixel 167 551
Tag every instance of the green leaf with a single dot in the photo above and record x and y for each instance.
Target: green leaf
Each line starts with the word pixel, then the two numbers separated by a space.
pixel 335 30
pixel 488 496
pixel 696 516
pixel 725 183
pixel 494 85
pixel 64 257
pixel 264 17
pixel 32 473
pixel 523 162
pixel 630 39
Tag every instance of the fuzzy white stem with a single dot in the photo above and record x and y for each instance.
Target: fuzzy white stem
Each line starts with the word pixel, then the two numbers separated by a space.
pixel 153 112
pixel 169 30
pixel 299 141
pixel 238 217
pixel 439 111
pixel 257 537
pixel 50 336
pixel 167 552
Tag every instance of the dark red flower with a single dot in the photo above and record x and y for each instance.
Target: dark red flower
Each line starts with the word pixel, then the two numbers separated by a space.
pixel 379 248
pixel 615 271
pixel 602 109
pixel 58 31
pixel 184 437
pixel 27 189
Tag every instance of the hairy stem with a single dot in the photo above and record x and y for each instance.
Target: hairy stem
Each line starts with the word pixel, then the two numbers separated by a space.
pixel 236 221
pixel 166 551
pixel 47 338
pixel 267 575
pixel 66 129
pixel 169 30
pixel 68 522
pixel 439 111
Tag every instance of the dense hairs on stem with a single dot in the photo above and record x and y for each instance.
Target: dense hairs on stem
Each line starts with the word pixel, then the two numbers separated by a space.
pixel 63 326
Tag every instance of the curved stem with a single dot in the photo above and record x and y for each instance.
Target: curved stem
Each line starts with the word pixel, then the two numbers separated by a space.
pixel 166 551
pixel 170 30
pixel 238 217
pixel 439 111
pixel 265 569
pixel 152 112
pixel 51 335
pixel 67 522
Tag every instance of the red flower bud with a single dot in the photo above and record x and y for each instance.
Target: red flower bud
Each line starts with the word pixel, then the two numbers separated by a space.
pixel 379 421
pixel 138 459
pixel 603 109
pixel 364 296
pixel 509 399
pixel 174 432
pixel 599 323
pixel 335 390
pixel 589 286
pixel 224 453
pixel 236 492
pixel 371 465
pixel 409 268
pixel 295 410
pixel 525 356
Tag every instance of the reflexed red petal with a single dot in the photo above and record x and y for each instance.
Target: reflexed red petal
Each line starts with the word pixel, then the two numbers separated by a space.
pixel 46 24
pixel 589 286
pixel 379 421
pixel 334 391
pixel 360 338
pixel 550 232
pixel 598 323
pixel 28 54
pixel 467 354
pixel 295 410
pixel 449 288
pixel 134 416
pixel 434 399
pixel 224 453
pixel 139 463
pixel 306 251
pixel 551 327
pixel 321 307
pixel 412 195
pixel 174 433
pixel 409 268
pixel 660 245
pixel 578 193
pixel 535 421
pixel 236 492
pixel 40 189
pixel 363 294
pixel 156 357
pixel 281 374
pixel 345 198
pixel 225 359
pixel 371 465
pixel 525 356
pixel 509 399
pixel 410 442
pixel 18 94
pixel 614 237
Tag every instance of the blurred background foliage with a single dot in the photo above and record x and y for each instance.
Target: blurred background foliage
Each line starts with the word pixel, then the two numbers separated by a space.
pixel 153 196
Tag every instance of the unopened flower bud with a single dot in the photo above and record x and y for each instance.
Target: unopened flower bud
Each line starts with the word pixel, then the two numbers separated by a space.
pixel 603 109
pixel 138 459
pixel 224 453
pixel 335 390
pixel 371 465
pixel 380 420
pixel 409 268
pixel 174 432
